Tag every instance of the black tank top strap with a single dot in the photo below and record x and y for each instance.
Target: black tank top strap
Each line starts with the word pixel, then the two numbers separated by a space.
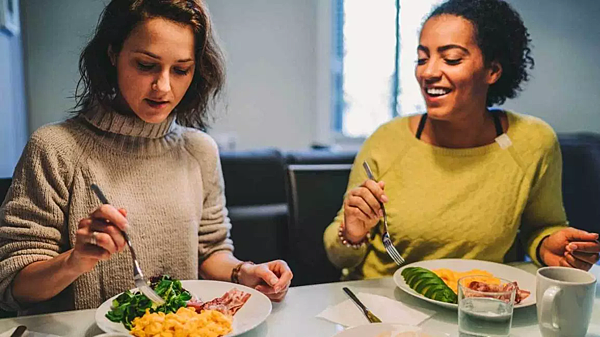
pixel 421 126
pixel 495 115
pixel 497 122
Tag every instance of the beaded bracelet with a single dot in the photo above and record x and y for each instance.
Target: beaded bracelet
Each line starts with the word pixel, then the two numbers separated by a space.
pixel 348 243
pixel 235 272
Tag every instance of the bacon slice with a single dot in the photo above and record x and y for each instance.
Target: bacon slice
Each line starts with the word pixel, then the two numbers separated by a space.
pixel 228 304
pixel 494 288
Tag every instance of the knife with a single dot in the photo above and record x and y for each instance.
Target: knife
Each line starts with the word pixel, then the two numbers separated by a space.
pixel 370 316
pixel 19 331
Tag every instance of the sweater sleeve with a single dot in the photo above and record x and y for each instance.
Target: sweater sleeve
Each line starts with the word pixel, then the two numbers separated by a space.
pixel 32 217
pixel 340 255
pixel 215 226
pixel 544 213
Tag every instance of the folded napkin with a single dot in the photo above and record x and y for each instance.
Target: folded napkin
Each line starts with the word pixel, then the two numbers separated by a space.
pixel 27 333
pixel 388 311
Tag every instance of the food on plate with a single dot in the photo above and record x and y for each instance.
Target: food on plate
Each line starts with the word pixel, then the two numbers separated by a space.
pixel 428 284
pixel 227 304
pixel 186 322
pixel 497 288
pixel 129 305
pixel 451 277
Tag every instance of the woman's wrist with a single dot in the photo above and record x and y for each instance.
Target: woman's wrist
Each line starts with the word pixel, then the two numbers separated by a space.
pixel 240 272
pixel 539 252
pixel 354 241
pixel 72 266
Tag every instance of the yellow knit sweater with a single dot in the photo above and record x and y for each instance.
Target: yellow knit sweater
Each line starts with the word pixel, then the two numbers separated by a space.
pixel 456 203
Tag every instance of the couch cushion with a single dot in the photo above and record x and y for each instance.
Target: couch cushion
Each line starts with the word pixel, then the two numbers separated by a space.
pixel 253 177
pixel 320 157
pixel 581 179
pixel 259 233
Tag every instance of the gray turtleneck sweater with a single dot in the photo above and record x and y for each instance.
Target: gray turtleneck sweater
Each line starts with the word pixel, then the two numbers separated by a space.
pixel 168 178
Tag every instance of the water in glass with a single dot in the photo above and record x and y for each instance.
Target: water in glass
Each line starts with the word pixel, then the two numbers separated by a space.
pixel 484 313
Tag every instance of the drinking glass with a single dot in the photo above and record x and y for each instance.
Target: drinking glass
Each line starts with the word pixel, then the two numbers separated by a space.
pixel 484 313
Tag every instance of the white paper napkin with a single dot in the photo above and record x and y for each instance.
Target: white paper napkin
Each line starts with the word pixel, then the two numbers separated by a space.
pixel 388 311
pixel 27 333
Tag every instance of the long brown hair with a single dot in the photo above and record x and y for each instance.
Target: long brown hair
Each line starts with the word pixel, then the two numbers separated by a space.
pixel 98 82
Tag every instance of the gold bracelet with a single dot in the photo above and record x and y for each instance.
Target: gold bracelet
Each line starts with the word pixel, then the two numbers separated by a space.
pixel 235 272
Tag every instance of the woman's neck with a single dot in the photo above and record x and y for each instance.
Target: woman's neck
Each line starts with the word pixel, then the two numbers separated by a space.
pixel 473 130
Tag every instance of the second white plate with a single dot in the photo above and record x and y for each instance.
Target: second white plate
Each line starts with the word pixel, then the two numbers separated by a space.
pixel 525 280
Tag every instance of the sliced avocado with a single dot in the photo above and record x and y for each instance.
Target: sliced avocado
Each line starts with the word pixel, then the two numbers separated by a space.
pixel 433 289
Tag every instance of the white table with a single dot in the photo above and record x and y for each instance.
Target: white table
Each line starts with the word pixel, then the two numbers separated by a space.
pixel 296 315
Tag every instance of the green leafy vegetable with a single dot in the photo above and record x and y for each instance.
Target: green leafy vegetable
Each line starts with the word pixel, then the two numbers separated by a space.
pixel 128 305
pixel 428 284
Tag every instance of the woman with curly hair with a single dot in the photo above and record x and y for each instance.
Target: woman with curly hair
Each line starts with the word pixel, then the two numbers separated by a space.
pixel 148 76
pixel 463 178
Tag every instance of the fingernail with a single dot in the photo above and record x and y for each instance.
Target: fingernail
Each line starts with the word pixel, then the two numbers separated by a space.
pixel 127 227
pixel 384 198
pixel 572 246
pixel 277 289
pixel 380 213
pixel 273 281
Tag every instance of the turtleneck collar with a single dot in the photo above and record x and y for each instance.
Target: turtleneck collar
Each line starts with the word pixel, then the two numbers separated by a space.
pixel 128 125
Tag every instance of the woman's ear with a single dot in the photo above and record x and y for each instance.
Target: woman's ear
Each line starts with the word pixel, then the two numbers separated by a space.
pixel 494 72
pixel 112 56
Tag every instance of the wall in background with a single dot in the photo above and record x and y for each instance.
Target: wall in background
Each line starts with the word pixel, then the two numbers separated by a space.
pixel 564 90
pixel 278 91
pixel 271 69
pixel 13 112
pixel 54 34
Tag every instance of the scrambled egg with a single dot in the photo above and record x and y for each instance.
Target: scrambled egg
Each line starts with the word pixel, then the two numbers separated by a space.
pixel 184 323
pixel 451 277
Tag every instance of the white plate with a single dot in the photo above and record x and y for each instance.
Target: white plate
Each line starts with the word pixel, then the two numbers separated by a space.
pixel 525 280
pixel 254 312
pixel 387 330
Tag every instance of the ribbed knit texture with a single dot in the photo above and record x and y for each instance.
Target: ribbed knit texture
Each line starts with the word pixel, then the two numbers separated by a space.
pixel 456 203
pixel 167 177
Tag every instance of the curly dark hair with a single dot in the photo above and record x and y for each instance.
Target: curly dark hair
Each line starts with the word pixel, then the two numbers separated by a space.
pixel 501 36
pixel 98 82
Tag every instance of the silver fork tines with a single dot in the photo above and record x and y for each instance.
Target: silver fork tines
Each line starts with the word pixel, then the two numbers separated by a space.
pixel 385 237
pixel 138 277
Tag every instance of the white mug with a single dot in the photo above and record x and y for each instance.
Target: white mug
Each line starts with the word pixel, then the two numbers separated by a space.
pixel 565 297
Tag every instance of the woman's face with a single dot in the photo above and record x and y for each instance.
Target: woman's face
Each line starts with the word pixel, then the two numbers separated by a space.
pixel 450 69
pixel 155 67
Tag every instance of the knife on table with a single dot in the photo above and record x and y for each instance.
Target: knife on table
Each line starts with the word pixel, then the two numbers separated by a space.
pixel 370 316
pixel 19 331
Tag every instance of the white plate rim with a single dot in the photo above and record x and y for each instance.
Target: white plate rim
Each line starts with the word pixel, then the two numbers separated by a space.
pixel 377 326
pixel 109 327
pixel 476 264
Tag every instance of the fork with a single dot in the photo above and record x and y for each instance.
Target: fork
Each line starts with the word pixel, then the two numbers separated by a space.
pixel 138 277
pixel 385 237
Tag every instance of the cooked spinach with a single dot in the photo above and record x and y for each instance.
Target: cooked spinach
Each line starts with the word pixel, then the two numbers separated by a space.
pixel 128 305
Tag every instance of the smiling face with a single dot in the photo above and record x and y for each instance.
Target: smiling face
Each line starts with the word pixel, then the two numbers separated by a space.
pixel 155 67
pixel 451 72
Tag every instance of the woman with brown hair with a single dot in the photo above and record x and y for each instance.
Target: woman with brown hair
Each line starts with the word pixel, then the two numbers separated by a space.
pixel 148 77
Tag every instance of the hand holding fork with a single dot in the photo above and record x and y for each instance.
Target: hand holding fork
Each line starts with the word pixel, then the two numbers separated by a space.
pixel 363 209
